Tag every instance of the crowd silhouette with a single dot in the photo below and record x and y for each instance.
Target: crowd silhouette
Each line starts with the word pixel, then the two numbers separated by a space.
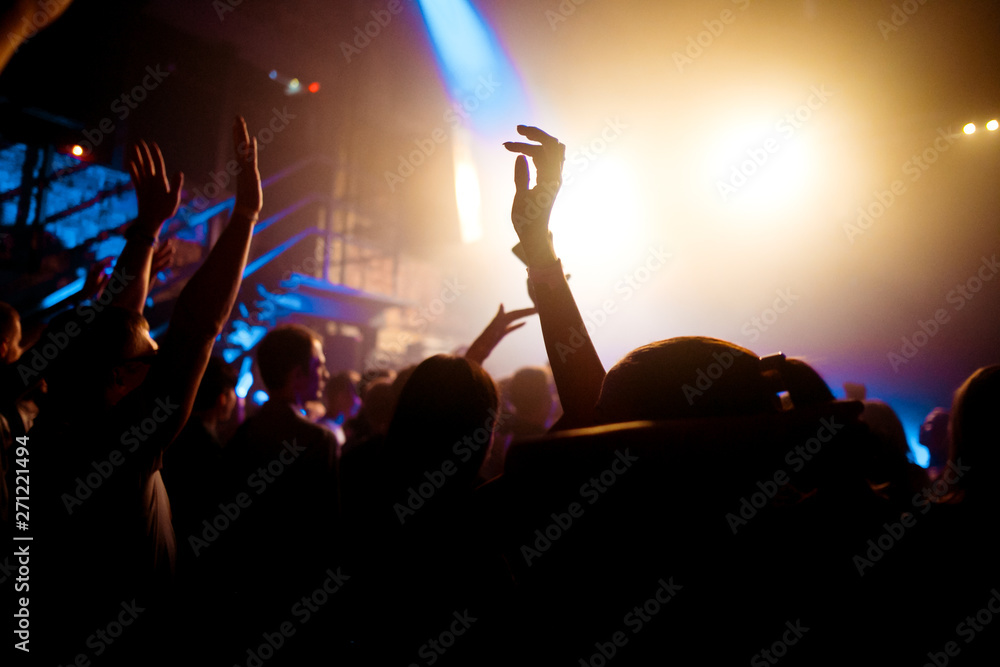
pixel 566 515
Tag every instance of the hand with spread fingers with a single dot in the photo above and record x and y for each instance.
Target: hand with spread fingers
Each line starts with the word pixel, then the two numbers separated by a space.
pixel 157 197
pixel 498 328
pixel 533 206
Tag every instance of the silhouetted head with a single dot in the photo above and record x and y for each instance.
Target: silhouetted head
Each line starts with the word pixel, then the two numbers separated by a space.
pixel 687 377
pixel 378 406
pixel 290 359
pixel 885 462
pixel 975 431
pixel 806 386
pixel 96 359
pixel 934 436
pixel 342 394
pixel 529 393
pixel 447 411
pixel 217 390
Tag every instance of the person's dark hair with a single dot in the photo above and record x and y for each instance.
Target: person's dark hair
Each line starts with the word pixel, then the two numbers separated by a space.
pixel 446 400
pixel 686 377
pixel 371 376
pixel 975 432
pixel 529 388
pixel 805 386
pixel 219 378
pixel 283 349
pixel 85 367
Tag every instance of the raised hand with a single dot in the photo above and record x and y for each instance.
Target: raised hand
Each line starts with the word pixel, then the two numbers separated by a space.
pixel 163 259
pixel 158 198
pixel 533 206
pixel 501 325
pixel 249 198
pixel 97 279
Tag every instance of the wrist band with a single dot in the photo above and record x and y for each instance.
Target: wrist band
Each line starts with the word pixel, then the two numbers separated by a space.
pixel 132 235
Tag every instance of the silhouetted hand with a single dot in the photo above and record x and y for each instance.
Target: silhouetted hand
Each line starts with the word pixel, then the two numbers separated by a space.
pixel 533 206
pixel 495 331
pixel 163 259
pixel 158 198
pixel 249 198
pixel 97 279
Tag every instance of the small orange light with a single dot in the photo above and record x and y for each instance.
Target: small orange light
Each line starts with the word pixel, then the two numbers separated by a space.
pixel 77 150
pixel 314 87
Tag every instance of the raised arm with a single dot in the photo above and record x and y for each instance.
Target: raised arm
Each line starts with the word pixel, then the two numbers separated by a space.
pixel 158 200
pixel 498 328
pixel 206 301
pixel 576 368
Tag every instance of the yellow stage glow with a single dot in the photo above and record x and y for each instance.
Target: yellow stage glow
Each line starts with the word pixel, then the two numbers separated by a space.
pixel 467 194
pixel 597 213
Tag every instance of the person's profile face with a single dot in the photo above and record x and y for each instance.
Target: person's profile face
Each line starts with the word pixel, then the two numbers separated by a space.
pixel 317 374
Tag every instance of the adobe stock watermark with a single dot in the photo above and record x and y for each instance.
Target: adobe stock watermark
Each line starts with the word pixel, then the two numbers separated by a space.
pixel 48 11
pixel 452 290
pixel 582 156
pixel 882 200
pixel 122 107
pixel 968 629
pixel 302 610
pixel 698 43
pixel 223 7
pixel 899 17
pixel 784 300
pixel 759 156
pixel 33 363
pixel 895 531
pixel 454 116
pixel 591 491
pixel 627 287
pixel 958 297
pixel 432 650
pixel 104 637
pixel 372 29
pixel 706 377
pixel 221 179
pixel 635 620
pixel 259 481
pixel 565 9
pixel 796 458
pixel 580 159
pixel 779 649
pixel 131 438
pixel 463 450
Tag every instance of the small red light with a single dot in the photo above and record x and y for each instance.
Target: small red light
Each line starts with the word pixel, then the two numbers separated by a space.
pixel 77 150
pixel 314 87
